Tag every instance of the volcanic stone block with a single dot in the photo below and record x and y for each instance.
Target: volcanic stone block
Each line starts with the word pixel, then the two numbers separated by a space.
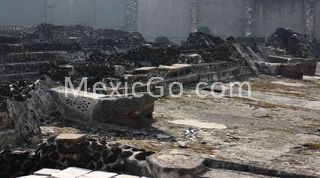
pixel 99 174
pixel 74 138
pixel 175 163
pixel 25 125
pixel 89 107
pixel 284 69
pixel 71 172
pixel 47 172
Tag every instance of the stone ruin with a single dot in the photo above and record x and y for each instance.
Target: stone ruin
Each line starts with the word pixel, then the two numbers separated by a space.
pixel 35 62
pixel 286 53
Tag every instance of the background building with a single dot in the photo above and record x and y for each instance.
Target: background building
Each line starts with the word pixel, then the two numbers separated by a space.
pixel 171 18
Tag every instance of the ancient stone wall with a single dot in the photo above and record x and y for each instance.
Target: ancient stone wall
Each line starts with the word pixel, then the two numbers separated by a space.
pixel 80 152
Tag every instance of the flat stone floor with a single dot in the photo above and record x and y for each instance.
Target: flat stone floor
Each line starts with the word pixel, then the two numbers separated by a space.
pixel 275 129
pixel 221 173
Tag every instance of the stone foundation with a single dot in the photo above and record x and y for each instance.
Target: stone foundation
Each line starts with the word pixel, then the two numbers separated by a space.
pixel 27 65
pixel 74 150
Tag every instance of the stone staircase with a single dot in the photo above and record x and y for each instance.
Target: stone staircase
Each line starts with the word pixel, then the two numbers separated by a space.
pixel 74 172
pixel 27 65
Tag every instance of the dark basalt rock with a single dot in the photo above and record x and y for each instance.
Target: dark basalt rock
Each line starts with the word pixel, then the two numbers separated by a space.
pixel 18 90
pixel 200 40
pixel 163 41
pixel 294 43
pixel 55 155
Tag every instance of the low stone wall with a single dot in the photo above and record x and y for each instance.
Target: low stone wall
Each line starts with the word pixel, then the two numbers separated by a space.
pixel 284 69
pixel 27 65
pixel 75 151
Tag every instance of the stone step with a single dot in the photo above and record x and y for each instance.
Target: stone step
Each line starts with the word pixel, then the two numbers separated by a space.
pixel 34 56
pixel 12 68
pixel 46 172
pixel 19 76
pixel 11 48
pixel 71 172
pixel 99 174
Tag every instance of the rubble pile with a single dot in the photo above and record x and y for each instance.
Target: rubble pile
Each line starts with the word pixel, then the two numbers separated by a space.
pixel 18 90
pixel 48 32
pixel 146 56
pixel 16 30
pixel 285 53
pixel 102 49
pixel 49 54
pixel 200 40
pixel 294 43
pixel 119 37
pixel 6 39
pixel 163 41
pixel 105 55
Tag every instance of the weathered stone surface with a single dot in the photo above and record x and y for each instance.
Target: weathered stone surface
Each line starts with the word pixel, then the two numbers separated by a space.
pixel 99 174
pixel 71 138
pixel 175 164
pixel 284 69
pixel 47 172
pixel 90 107
pixel 26 126
pixel 71 172
pixel 190 59
pixel 42 102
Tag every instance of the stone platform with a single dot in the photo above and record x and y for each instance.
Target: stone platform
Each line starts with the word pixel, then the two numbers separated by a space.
pixel 90 107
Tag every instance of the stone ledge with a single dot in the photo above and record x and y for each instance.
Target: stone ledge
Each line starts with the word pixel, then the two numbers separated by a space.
pixel 74 138
pixel 242 167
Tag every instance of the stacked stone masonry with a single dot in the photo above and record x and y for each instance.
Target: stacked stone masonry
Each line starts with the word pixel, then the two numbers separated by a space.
pixel 75 150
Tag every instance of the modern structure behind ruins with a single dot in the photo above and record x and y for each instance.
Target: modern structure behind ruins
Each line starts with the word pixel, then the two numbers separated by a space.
pixel 171 18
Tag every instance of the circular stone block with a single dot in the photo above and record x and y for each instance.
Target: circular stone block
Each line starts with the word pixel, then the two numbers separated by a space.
pixel 175 163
